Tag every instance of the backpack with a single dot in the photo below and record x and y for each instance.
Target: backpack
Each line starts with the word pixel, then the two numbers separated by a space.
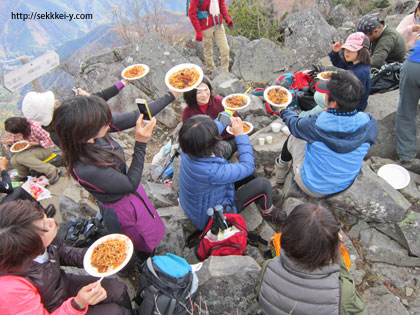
pixel 385 79
pixel 81 232
pixel 200 14
pixel 234 244
pixel 167 286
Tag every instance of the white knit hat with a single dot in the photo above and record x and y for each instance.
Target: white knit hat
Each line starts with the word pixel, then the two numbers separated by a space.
pixel 39 107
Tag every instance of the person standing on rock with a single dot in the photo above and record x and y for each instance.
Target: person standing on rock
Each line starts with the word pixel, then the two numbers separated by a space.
pixel 207 19
pixel 328 149
pixel 97 162
pixel 406 127
pixel 311 275
pixel 387 45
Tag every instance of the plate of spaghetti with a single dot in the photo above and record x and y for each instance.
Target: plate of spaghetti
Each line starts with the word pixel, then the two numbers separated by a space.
pixel 184 77
pixel 108 255
pixel 19 146
pixel 325 75
pixel 278 96
pixel 236 101
pixel 248 127
pixel 135 72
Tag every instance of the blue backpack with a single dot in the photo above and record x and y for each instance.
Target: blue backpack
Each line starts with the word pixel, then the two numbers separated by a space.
pixel 167 286
pixel 200 14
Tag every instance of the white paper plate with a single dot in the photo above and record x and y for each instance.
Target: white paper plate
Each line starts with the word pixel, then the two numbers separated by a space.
pixel 183 66
pixel 396 175
pixel 146 71
pixel 24 148
pixel 92 270
pixel 248 101
pixel 228 128
pixel 278 106
pixel 319 76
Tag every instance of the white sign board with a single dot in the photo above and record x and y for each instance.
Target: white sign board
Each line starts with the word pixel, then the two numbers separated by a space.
pixel 28 72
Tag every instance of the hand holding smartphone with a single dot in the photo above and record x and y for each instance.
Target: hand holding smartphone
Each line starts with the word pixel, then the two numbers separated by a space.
pixel 143 108
pixel 224 119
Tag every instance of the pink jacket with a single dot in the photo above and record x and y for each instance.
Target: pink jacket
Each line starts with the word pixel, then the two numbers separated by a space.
pixel 19 296
pixel 405 28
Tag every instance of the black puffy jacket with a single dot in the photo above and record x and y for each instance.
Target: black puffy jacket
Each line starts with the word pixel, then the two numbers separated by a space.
pixel 49 278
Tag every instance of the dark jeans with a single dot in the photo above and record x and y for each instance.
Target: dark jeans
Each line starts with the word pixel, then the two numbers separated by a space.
pixel 253 189
pixel 117 301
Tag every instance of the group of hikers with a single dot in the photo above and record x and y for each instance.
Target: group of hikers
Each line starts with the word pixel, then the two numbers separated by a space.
pixel 325 149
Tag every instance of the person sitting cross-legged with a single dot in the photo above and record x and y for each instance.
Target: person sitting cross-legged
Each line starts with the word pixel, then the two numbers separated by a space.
pixel 328 149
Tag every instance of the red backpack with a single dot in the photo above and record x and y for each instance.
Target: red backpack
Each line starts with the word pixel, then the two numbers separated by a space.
pixel 235 244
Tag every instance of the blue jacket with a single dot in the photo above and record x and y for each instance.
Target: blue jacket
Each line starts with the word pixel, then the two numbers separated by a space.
pixel 207 182
pixel 415 53
pixel 336 146
pixel 360 70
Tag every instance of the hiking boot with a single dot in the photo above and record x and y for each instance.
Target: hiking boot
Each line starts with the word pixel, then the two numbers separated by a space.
pixel 53 178
pixel 278 197
pixel 281 168
pixel 276 215
pixel 50 211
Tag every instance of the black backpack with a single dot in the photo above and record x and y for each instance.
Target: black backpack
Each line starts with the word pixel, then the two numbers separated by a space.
pixel 82 232
pixel 385 79
pixel 160 292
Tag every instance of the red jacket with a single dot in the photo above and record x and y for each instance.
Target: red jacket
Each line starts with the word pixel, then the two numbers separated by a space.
pixel 19 296
pixel 201 25
pixel 215 107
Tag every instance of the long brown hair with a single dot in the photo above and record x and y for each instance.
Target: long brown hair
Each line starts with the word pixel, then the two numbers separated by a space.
pixel 20 239
pixel 310 236
pixel 78 120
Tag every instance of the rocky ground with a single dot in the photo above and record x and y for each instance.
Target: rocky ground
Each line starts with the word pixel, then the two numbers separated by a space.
pixel 381 226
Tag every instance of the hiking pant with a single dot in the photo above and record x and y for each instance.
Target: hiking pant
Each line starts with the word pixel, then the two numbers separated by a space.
pixel 296 148
pixel 253 188
pixel 406 127
pixel 117 301
pixel 217 33
pixel 31 159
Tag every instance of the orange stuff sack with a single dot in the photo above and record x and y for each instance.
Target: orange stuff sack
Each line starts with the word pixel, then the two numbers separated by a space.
pixel 275 249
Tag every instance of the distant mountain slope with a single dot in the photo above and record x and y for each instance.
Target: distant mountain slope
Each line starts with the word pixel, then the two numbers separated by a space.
pixel 34 36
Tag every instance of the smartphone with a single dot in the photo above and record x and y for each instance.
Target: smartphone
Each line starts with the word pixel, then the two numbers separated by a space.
pixel 224 119
pixel 143 108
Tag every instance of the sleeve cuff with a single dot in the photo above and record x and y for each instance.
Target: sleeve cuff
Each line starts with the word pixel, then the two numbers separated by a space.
pixel 120 85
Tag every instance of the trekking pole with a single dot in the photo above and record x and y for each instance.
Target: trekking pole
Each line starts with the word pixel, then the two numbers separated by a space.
pixel 220 217
pixel 214 226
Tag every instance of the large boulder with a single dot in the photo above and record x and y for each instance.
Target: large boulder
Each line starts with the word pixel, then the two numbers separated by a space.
pixel 262 61
pixel 339 14
pixel 410 229
pixel 370 197
pixel 226 285
pixel 308 35
pixel 381 301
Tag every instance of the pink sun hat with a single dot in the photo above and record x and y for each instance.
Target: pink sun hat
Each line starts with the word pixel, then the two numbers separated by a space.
pixel 356 41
